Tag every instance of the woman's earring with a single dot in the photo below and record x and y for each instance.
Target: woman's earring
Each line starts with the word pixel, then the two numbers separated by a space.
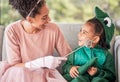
pixel 29 20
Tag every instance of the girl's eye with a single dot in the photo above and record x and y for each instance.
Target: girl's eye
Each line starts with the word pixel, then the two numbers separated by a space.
pixel 80 30
pixel 84 32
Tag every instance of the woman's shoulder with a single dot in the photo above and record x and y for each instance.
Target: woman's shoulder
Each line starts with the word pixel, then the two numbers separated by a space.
pixel 13 26
pixel 52 26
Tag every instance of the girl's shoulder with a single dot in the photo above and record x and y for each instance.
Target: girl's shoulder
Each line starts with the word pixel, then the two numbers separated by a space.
pixel 108 53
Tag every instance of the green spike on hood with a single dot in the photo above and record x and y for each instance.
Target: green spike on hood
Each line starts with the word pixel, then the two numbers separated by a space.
pixel 103 17
pixel 100 13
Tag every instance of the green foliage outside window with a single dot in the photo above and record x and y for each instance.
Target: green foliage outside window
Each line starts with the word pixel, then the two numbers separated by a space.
pixel 67 11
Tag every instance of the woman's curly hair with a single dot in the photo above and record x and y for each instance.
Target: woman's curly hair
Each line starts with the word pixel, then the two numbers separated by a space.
pixel 99 31
pixel 25 6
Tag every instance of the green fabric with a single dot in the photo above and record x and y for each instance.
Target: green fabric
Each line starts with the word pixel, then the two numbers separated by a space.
pixel 105 20
pixel 86 60
pixel 89 53
pixel 82 69
pixel 81 78
pixel 106 70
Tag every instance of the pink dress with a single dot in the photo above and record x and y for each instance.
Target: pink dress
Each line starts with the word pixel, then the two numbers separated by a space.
pixel 24 47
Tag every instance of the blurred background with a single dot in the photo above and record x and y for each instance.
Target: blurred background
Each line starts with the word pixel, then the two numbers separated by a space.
pixel 67 11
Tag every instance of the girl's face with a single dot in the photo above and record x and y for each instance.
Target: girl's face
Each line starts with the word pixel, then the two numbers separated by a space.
pixel 86 33
pixel 41 19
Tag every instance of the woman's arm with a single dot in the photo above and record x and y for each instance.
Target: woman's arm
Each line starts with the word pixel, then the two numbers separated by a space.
pixel 61 44
pixel 12 46
pixel 20 65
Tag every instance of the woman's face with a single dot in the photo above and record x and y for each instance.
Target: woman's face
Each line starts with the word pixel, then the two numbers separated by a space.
pixel 86 33
pixel 41 19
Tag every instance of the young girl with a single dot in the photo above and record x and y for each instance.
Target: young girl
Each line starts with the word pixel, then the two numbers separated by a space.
pixel 92 62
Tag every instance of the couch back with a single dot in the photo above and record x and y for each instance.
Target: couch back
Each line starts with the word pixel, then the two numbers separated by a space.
pixel 1 40
pixel 70 32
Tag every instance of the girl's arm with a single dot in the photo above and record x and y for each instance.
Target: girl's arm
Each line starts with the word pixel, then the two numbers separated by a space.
pixel 68 64
pixel 108 71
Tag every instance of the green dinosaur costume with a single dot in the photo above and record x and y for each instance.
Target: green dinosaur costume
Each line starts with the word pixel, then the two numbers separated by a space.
pixel 86 57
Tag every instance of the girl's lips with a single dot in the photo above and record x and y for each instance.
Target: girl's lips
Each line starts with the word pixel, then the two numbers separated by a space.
pixel 80 40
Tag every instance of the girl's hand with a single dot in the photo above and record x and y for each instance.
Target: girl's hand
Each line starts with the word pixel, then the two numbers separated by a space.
pixel 92 71
pixel 74 71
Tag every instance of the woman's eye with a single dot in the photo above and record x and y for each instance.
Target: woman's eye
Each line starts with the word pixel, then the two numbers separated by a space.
pixel 43 18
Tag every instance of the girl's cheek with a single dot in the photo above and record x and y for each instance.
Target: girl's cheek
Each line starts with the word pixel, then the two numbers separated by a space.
pixel 82 37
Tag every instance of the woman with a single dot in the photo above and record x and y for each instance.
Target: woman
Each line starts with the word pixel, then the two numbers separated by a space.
pixel 30 45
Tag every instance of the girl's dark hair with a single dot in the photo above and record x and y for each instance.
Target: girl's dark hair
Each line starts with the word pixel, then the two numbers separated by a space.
pixel 99 31
pixel 25 6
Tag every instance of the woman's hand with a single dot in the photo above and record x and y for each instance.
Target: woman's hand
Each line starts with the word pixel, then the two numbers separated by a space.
pixel 92 71
pixel 74 71
pixel 50 62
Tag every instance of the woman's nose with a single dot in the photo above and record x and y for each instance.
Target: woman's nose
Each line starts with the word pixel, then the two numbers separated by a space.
pixel 48 19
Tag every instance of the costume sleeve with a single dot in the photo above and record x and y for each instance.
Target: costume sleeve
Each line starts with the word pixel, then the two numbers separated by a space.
pixel 108 70
pixel 82 69
pixel 68 64
pixel 12 46
pixel 61 44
